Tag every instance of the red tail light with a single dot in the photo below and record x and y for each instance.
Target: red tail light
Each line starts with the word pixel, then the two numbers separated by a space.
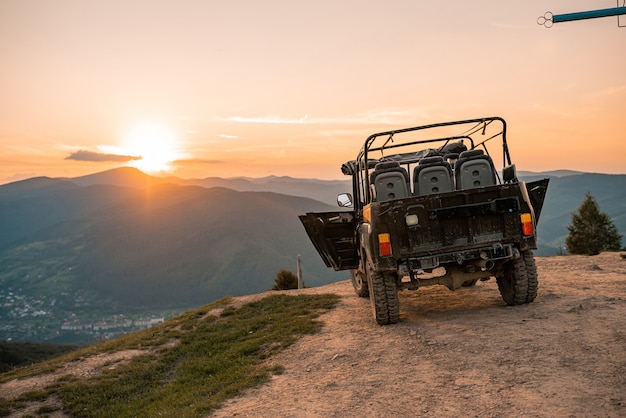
pixel 384 245
pixel 527 224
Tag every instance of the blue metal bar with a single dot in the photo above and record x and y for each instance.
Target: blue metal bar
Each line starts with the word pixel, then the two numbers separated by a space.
pixel 591 14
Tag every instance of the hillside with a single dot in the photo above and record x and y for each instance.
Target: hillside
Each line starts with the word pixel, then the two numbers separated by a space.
pixel 121 247
pixel 78 254
pixel 566 192
pixel 462 353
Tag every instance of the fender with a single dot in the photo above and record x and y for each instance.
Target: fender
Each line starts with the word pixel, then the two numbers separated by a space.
pixel 364 232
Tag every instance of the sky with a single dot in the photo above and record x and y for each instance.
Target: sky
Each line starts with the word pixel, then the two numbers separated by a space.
pixel 229 88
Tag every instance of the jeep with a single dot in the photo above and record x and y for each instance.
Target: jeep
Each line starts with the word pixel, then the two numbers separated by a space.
pixel 428 207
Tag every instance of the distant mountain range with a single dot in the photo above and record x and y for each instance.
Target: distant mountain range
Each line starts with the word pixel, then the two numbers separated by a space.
pixel 124 241
pixel 322 190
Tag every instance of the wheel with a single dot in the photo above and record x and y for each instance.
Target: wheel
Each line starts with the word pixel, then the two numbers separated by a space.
pixel 531 274
pixel 383 296
pixel 359 281
pixel 513 283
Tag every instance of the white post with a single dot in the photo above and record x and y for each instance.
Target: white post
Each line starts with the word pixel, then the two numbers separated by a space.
pixel 300 281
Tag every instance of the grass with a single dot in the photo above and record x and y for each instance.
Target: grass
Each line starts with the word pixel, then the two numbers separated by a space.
pixel 192 362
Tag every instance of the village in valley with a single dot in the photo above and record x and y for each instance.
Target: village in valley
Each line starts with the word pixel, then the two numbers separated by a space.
pixel 26 318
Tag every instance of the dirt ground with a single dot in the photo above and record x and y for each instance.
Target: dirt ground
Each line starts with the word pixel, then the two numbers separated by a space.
pixel 463 353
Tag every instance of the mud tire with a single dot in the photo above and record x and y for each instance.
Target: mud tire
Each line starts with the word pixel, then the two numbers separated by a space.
pixel 513 283
pixel 531 274
pixel 383 296
pixel 359 282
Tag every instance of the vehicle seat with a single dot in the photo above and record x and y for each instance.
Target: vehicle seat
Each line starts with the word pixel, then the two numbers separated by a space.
pixel 390 181
pixel 432 175
pixel 474 169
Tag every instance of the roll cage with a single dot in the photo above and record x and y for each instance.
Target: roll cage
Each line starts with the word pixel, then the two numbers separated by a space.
pixel 439 139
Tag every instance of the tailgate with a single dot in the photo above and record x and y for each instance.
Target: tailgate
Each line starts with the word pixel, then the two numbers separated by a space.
pixel 453 221
pixel 333 235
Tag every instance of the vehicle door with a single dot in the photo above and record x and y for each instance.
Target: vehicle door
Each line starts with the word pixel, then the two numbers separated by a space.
pixel 334 238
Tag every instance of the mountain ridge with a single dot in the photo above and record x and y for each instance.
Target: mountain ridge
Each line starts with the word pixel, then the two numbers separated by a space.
pixel 91 251
pixel 122 240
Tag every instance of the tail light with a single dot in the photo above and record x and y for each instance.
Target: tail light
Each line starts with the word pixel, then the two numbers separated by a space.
pixel 527 224
pixel 384 245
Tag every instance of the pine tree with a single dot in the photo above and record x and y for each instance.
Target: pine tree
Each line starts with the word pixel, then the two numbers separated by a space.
pixel 285 280
pixel 591 231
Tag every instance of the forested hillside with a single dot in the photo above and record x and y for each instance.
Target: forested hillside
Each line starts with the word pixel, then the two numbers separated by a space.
pixel 76 253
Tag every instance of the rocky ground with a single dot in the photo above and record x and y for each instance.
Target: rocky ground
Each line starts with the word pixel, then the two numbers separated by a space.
pixel 462 353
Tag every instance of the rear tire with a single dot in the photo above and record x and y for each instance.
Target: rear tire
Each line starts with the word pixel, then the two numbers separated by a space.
pixel 531 274
pixel 383 296
pixel 513 283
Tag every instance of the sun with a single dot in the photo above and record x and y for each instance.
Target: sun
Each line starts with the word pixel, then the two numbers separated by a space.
pixel 156 146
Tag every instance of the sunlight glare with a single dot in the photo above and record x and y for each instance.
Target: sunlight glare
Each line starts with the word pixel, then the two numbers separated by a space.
pixel 156 145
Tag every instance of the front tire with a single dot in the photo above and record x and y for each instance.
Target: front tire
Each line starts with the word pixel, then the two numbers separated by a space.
pixel 383 296
pixel 359 282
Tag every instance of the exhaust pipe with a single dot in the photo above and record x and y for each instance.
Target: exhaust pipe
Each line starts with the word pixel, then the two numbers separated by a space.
pixel 485 264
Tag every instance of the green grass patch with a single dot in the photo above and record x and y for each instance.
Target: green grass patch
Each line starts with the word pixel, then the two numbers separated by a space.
pixel 213 358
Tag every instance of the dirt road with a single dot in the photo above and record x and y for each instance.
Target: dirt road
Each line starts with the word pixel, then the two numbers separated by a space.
pixel 463 353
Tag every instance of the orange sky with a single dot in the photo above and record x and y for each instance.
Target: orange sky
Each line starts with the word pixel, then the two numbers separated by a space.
pixel 257 88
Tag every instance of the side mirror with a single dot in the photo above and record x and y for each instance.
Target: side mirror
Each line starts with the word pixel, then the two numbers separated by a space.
pixel 344 200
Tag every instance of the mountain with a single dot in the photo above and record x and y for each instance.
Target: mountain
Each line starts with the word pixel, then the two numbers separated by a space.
pixel 195 244
pixel 544 174
pixel 76 250
pixel 322 190
pixel 80 250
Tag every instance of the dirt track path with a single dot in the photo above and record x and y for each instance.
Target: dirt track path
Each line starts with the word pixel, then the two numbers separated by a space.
pixel 463 353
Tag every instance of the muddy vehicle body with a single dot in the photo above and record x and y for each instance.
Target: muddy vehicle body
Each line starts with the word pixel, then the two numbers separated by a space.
pixel 428 207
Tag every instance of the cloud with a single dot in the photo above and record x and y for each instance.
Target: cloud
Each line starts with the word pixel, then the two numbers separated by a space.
pixel 267 119
pixel 83 155
pixel 612 91
pixel 383 116
pixel 228 136
pixel 197 161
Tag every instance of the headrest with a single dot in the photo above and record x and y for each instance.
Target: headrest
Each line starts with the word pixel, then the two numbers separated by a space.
pixel 430 160
pixel 471 153
pixel 387 164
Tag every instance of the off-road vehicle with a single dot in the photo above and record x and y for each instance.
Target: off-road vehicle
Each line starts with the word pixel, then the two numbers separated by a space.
pixel 429 207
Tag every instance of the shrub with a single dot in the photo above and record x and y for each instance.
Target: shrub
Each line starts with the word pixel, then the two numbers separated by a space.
pixel 285 280
pixel 591 231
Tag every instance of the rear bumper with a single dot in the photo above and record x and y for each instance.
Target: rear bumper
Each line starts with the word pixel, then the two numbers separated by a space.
pixel 487 253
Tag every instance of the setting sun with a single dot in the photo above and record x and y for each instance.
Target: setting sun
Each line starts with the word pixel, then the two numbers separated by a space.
pixel 156 145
